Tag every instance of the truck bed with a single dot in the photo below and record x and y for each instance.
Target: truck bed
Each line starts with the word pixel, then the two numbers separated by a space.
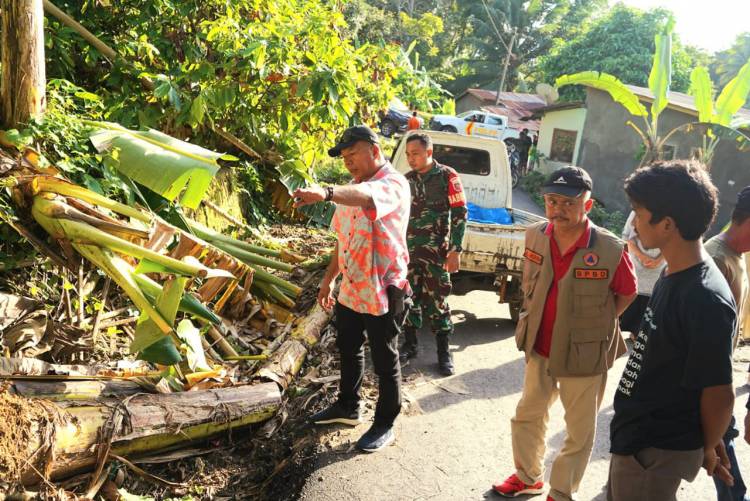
pixel 489 248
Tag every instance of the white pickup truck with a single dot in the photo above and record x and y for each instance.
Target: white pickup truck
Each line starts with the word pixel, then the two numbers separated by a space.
pixel 493 253
pixel 475 123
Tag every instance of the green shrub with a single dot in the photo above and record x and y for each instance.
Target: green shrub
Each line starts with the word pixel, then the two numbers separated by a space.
pixel 332 171
pixel 532 182
pixel 613 220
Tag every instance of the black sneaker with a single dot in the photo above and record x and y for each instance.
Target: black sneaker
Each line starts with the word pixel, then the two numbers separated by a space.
pixel 377 437
pixel 337 414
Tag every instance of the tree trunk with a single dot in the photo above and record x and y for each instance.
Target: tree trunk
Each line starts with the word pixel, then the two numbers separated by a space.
pixel 59 439
pixel 22 89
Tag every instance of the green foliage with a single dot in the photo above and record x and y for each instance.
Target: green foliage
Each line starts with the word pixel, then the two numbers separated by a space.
pixel 617 90
pixel 532 182
pixel 280 75
pixel 61 135
pixel 613 220
pixel 332 172
pixel 620 44
pixel 486 29
pixel 469 50
pixel 726 64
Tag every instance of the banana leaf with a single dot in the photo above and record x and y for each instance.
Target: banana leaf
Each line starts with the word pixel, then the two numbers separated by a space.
pixel 702 91
pixel 609 84
pixel 191 336
pixel 162 163
pixel 147 332
pixel 733 96
pixel 661 72
pixel 189 303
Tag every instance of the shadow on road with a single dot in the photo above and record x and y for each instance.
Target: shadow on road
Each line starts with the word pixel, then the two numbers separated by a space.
pixel 500 381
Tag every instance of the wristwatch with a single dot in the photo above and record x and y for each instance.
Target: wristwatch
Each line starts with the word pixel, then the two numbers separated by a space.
pixel 329 193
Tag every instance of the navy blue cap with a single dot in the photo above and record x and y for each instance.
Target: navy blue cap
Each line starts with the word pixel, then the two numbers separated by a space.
pixel 568 181
pixel 351 136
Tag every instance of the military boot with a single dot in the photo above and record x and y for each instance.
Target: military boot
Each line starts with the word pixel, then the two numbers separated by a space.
pixel 409 348
pixel 445 359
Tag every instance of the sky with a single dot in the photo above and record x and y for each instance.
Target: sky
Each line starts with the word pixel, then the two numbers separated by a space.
pixel 712 25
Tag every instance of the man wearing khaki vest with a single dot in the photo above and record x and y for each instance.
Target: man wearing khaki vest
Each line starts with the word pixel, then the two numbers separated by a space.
pixel 577 279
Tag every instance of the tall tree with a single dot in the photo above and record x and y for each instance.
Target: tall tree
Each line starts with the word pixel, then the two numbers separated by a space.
pixel 621 44
pixel 534 26
pixel 22 90
pixel 727 63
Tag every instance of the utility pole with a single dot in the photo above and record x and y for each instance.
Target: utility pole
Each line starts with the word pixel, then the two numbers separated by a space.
pixel 22 85
pixel 506 64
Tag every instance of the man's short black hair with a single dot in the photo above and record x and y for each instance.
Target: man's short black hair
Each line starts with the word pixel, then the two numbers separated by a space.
pixel 423 138
pixel 680 189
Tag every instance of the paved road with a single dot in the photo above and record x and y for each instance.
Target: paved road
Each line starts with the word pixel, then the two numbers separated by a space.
pixel 522 200
pixel 453 441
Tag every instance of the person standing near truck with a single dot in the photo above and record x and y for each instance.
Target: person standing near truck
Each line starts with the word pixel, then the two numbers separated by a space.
pixel 372 213
pixel 413 122
pixel 577 279
pixel 674 400
pixel 649 264
pixel 727 250
pixel 436 230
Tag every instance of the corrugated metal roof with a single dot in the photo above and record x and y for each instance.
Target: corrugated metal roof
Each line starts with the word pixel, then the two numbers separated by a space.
pixel 515 113
pixel 491 95
pixel 560 106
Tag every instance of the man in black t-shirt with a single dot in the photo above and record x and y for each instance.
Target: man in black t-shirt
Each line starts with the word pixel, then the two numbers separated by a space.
pixel 675 398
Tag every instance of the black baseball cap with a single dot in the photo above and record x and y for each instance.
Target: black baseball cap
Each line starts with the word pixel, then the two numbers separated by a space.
pixel 351 136
pixel 568 181
pixel 743 199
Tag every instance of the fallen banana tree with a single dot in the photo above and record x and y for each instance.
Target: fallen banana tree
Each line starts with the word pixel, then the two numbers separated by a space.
pixel 59 438
pixel 169 274
pixel 129 250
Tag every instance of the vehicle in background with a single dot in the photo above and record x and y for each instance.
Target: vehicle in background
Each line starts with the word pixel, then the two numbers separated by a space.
pixel 395 121
pixel 493 245
pixel 475 123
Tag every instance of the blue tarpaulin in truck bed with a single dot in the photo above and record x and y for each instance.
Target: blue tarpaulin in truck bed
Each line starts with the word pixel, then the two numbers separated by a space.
pixel 487 215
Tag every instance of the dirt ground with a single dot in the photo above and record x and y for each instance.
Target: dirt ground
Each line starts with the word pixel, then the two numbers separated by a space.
pixel 453 440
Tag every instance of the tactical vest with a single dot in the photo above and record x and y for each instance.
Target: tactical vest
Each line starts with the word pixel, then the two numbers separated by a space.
pixel 429 215
pixel 586 337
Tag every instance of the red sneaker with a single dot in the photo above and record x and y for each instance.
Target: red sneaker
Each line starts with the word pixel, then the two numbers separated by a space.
pixel 514 486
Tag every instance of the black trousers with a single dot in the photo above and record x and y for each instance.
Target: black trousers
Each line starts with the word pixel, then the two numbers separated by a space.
pixel 382 332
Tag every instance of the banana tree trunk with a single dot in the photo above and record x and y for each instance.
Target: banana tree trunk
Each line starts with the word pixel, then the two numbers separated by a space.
pixel 286 361
pixel 61 391
pixel 22 89
pixel 61 439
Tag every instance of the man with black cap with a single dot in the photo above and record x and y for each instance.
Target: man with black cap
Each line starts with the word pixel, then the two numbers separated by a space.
pixel 727 251
pixel 577 279
pixel 370 222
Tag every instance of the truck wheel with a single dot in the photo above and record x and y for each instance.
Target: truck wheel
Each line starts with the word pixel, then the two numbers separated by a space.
pixel 448 128
pixel 387 128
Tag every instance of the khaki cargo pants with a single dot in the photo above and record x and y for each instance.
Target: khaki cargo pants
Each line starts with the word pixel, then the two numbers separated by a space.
pixel 581 398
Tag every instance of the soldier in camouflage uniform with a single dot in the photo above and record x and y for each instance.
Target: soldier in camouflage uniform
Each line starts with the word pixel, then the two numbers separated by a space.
pixel 436 229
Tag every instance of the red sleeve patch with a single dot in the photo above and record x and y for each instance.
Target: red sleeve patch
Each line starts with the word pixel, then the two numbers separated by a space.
pixel 456 196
